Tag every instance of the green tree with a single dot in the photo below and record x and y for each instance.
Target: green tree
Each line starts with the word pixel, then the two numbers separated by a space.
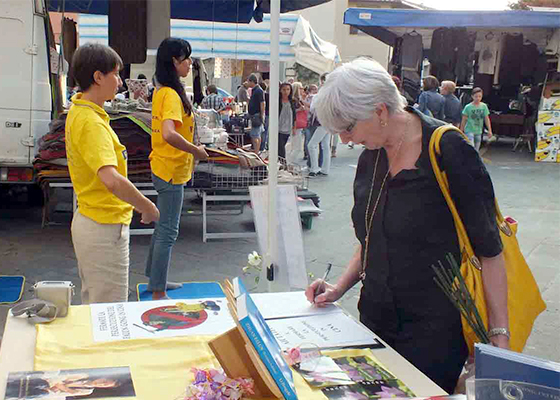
pixel 527 4
pixel 305 75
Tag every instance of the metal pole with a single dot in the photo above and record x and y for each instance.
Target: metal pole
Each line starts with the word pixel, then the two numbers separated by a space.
pixel 273 136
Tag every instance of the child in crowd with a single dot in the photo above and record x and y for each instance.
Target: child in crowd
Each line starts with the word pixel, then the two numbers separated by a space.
pixel 475 116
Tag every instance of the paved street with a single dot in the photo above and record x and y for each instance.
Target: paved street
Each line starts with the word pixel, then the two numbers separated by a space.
pixel 527 190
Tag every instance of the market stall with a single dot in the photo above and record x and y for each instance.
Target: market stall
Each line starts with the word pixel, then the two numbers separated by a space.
pixel 226 176
pixel 509 54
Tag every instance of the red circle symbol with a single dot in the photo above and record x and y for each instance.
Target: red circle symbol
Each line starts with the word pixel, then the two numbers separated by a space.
pixel 171 317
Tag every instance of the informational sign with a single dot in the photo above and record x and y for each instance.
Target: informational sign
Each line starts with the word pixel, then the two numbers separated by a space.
pixel 291 271
pixel 156 319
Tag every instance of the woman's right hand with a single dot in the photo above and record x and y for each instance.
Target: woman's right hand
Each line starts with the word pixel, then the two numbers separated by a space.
pixel 150 215
pixel 200 153
pixel 321 293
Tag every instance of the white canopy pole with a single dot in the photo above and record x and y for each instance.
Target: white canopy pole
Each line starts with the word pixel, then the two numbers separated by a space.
pixel 273 136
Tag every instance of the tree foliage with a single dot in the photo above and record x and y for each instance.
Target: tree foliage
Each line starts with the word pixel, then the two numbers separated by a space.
pixel 305 75
pixel 527 4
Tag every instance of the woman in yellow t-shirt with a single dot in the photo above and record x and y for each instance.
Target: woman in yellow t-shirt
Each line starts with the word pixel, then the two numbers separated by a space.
pixel 172 157
pixel 97 162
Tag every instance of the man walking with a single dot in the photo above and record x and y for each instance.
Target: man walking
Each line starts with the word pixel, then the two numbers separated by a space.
pixel 257 107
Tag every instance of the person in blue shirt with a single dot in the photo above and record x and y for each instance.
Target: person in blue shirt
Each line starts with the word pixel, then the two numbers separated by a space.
pixel 452 109
pixel 430 101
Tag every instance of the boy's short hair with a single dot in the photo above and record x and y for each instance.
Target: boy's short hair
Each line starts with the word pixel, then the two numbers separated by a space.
pixel 212 89
pixel 431 82
pixel 92 57
pixel 477 90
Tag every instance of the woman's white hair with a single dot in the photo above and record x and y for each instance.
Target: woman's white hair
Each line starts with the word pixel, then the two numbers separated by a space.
pixel 353 91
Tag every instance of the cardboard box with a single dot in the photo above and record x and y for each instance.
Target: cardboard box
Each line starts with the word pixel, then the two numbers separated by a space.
pixel 547 155
pixel 547 130
pixel 548 143
pixel 548 117
pixel 552 103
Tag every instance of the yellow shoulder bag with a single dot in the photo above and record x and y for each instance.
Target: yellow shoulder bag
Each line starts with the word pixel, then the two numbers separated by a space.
pixel 524 298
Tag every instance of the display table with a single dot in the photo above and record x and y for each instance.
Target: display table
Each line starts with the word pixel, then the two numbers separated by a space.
pixel 511 125
pixel 17 353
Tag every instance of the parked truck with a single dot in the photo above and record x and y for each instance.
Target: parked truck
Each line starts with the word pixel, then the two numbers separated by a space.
pixel 26 97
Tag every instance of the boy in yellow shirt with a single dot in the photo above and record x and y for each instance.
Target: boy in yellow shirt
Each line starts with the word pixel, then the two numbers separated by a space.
pixel 97 162
pixel 172 157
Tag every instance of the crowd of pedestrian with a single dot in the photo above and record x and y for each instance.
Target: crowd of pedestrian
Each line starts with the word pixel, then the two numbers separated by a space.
pixel 445 106
pixel 300 135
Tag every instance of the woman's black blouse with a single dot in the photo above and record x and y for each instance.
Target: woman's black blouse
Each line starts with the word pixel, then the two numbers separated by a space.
pixel 413 228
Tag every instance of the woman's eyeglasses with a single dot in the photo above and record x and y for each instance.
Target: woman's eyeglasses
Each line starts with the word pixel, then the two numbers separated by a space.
pixel 350 127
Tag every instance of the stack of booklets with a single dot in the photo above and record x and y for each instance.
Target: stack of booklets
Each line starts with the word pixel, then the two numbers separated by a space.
pixel 534 377
pixel 266 345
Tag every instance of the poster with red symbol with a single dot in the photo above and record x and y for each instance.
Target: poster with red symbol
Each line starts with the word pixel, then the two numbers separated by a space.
pixel 158 319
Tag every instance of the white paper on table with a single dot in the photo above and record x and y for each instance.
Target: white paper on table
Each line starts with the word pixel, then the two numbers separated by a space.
pixel 288 305
pixel 158 319
pixel 323 331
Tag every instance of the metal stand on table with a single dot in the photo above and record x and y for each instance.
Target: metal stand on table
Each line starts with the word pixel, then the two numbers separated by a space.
pixel 146 188
pixel 237 198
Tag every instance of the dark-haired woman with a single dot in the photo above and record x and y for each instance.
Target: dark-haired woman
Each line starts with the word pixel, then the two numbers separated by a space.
pixel 172 157
pixel 286 118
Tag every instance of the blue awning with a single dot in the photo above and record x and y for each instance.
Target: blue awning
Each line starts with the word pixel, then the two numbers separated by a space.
pixel 396 18
pixel 233 11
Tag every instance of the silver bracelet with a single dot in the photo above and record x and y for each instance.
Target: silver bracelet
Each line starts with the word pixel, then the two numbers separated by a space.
pixel 499 331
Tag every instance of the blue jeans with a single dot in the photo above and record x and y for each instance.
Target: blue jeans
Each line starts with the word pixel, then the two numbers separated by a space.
pixel 321 138
pixel 264 140
pixel 170 204
pixel 308 135
pixel 475 139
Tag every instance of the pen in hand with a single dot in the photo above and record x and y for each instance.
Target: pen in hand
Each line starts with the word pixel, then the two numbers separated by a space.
pixel 322 285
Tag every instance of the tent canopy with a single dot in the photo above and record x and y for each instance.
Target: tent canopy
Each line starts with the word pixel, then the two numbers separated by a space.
pixel 298 41
pixel 311 51
pixel 388 24
pixel 361 17
pixel 240 11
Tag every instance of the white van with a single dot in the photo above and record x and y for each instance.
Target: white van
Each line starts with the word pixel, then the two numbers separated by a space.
pixel 25 97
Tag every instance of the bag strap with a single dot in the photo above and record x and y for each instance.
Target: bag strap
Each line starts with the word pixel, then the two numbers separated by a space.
pixel 435 151
pixel 38 311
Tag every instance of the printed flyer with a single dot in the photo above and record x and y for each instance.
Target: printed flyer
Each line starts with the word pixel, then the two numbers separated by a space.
pixel 372 381
pixel 93 383
pixel 156 319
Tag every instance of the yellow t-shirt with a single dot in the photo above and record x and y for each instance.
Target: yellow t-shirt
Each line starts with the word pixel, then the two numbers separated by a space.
pixel 91 144
pixel 167 162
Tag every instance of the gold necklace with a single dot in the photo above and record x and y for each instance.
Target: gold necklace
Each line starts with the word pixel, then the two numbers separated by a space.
pixel 369 216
